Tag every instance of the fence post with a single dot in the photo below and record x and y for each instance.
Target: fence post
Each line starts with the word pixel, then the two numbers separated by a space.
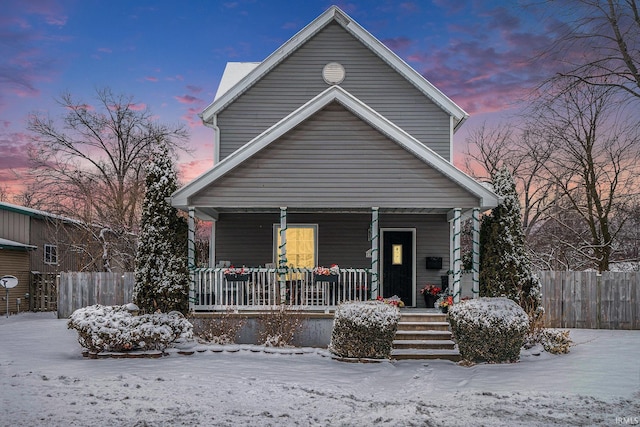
pixel 598 300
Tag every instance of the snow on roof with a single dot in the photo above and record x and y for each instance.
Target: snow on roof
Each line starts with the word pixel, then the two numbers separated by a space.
pixel 6 243
pixel 233 73
pixel 35 212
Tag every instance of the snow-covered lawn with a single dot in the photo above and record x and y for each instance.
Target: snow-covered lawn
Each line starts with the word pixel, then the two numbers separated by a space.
pixel 44 380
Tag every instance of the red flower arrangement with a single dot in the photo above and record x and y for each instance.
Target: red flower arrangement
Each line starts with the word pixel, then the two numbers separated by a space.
pixel 394 300
pixel 324 271
pixel 235 270
pixel 431 289
pixel 446 302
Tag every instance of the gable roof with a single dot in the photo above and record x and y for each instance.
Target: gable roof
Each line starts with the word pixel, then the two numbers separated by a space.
pixel 333 14
pixel 335 93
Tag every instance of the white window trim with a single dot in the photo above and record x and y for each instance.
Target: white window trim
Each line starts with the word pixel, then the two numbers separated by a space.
pixel 49 262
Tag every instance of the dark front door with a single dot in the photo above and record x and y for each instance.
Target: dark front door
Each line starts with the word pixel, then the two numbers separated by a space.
pixel 397 267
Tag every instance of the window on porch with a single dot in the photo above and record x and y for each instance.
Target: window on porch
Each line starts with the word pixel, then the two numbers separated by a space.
pixel 302 244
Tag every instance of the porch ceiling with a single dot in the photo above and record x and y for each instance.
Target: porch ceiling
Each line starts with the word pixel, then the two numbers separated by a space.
pixel 212 213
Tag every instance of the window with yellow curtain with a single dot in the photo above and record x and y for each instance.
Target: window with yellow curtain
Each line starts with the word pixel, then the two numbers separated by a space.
pixel 301 245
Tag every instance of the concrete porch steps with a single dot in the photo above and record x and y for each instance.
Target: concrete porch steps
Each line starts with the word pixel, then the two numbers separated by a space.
pixel 424 335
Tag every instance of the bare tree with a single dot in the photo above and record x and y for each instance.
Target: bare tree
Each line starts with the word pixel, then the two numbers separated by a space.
pixel 594 152
pixel 90 166
pixel 490 149
pixel 600 43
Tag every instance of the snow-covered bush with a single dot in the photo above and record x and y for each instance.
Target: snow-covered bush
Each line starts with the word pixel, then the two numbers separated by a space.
pixel 277 327
pixel 489 329
pixel 554 341
pixel 364 329
pixel 218 330
pixel 113 328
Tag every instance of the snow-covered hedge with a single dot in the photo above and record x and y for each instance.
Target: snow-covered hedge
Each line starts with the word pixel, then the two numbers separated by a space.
pixel 489 329
pixel 364 330
pixel 113 328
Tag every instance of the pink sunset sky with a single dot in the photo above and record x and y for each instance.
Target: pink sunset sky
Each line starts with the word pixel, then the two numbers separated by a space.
pixel 170 55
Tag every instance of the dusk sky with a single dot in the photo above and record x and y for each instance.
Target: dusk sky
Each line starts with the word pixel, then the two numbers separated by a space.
pixel 170 55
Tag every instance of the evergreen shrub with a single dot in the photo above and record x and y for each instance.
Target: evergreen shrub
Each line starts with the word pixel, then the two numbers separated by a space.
pixel 489 329
pixel 364 329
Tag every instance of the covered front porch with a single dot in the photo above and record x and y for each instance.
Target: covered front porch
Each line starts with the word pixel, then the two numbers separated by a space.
pixel 259 264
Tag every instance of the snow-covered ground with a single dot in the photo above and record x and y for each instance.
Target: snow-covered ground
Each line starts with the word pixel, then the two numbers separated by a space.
pixel 44 380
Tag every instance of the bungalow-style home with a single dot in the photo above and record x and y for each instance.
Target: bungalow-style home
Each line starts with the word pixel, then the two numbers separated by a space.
pixel 34 247
pixel 331 151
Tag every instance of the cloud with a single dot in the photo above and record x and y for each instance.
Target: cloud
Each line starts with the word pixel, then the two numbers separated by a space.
pixel 25 55
pixel 194 89
pixel 398 44
pixel 291 25
pixel 188 99
pixel 49 10
pixel 141 106
pixel 14 148
pixel 409 7
pixel 502 20
pixel 487 66
pixel 151 79
pixel 188 171
pixel 451 7
pixel 191 115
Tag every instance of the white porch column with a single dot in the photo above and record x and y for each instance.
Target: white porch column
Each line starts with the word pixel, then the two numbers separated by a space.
pixel 191 240
pixel 212 245
pixel 375 253
pixel 457 254
pixel 191 254
pixel 282 255
pixel 475 255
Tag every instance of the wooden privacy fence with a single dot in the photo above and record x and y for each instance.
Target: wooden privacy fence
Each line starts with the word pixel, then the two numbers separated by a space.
pixel 581 299
pixel 77 290
pixel 572 299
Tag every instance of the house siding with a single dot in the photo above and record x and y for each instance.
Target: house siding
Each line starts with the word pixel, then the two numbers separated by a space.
pixel 334 159
pixel 14 226
pixel 64 236
pixel 343 239
pixel 15 263
pixel 299 78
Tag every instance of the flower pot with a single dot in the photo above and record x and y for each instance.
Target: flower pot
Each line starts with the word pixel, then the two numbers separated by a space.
pixel 329 278
pixel 444 309
pixel 429 300
pixel 236 277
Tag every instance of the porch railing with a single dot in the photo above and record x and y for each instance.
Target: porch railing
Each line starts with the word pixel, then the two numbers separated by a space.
pixel 262 288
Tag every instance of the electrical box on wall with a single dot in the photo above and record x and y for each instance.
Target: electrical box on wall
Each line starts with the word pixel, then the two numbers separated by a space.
pixel 434 263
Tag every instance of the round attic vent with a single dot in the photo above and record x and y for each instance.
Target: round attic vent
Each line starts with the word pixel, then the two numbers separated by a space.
pixel 333 73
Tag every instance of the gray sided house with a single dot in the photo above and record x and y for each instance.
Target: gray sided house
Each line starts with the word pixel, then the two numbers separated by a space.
pixel 330 151
pixel 34 247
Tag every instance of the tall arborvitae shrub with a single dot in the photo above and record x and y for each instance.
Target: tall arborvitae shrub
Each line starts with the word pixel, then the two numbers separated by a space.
pixel 162 277
pixel 505 267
